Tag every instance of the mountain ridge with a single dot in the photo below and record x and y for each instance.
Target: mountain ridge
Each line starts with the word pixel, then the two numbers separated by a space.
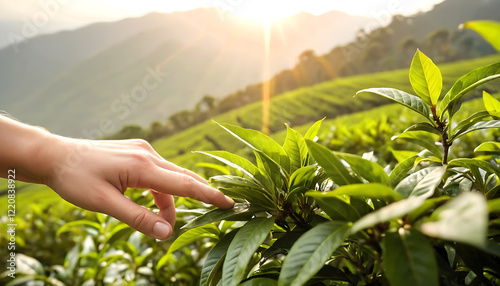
pixel 196 32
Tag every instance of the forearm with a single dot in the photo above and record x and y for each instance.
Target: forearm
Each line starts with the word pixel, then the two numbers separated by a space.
pixel 20 147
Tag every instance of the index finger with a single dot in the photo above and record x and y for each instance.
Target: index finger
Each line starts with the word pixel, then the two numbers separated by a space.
pixel 172 167
pixel 179 184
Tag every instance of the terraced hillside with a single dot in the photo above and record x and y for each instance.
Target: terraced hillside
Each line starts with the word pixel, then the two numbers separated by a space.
pixel 333 100
pixel 330 99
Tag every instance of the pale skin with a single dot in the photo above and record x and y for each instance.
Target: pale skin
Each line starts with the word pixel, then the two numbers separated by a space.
pixel 94 174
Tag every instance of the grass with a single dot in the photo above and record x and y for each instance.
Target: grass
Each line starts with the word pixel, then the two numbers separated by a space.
pixel 299 108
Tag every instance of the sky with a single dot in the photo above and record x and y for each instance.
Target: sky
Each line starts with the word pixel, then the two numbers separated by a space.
pixel 48 16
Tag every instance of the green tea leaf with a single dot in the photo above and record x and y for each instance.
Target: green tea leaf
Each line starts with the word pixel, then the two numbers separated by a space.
pixel 222 169
pixel 260 282
pixel 313 131
pixel 242 248
pixel 26 262
pixel 194 234
pixel 423 126
pixel 252 196
pixel 215 276
pixel 489 30
pixel 409 259
pixel 422 139
pixel 427 186
pixel 411 101
pixel 331 164
pixel 478 126
pixel 239 163
pixel 371 171
pixel 310 252
pixel 117 233
pixel 401 170
pixel 85 224
pixel 216 254
pixel 470 163
pixel 489 147
pixel 494 205
pixel 402 155
pixel 238 212
pixel 421 183
pixel 271 170
pixel 372 191
pixel 466 83
pixel 260 143
pixel 295 147
pixel 467 211
pixel 302 180
pixel 387 213
pixel 302 177
pixel 491 104
pixel 471 120
pixel 237 187
pixel 429 203
pixel 337 208
pixel 425 78
pixel 233 181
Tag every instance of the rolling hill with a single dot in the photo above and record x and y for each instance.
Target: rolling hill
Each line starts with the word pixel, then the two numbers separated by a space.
pixel 68 81
pixel 333 99
pixel 330 99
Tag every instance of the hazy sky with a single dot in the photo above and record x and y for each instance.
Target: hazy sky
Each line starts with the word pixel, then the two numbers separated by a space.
pixel 54 15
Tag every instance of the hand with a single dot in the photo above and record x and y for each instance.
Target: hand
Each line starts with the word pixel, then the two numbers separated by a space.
pixel 94 174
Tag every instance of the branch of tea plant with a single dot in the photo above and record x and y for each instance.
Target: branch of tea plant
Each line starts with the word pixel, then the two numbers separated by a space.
pixel 443 130
pixel 299 220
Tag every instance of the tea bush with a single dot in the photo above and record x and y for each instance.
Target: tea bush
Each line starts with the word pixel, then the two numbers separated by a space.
pixel 306 215
pixel 313 216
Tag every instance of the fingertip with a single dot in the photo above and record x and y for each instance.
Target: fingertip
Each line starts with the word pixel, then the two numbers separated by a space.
pixel 229 202
pixel 162 230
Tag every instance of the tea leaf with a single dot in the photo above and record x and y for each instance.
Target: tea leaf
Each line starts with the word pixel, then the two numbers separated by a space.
pixel 467 211
pixel 489 30
pixel 331 163
pixel 242 248
pixel 491 104
pixel 411 101
pixel 419 267
pixel 425 78
pixel 311 251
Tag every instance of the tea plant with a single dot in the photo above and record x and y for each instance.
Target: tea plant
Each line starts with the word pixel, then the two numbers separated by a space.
pixel 308 216
pixel 70 246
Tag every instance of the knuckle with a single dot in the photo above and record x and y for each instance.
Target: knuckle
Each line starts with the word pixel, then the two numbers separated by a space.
pixel 140 219
pixel 97 202
pixel 185 172
pixel 141 143
pixel 188 183
pixel 141 159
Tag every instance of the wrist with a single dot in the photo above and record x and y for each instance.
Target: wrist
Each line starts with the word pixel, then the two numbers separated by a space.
pixel 44 156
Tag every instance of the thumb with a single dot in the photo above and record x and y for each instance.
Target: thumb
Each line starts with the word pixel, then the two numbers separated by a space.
pixel 138 217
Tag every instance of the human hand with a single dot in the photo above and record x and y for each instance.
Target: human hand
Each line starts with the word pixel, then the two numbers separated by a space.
pixel 94 174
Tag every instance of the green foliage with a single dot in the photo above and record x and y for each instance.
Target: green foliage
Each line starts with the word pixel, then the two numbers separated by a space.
pixel 426 79
pixel 411 211
pixel 311 215
pixel 489 30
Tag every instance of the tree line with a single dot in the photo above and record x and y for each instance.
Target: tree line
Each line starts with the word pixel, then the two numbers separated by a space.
pixel 382 49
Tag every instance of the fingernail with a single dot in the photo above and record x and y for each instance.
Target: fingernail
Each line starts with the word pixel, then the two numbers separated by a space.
pixel 229 200
pixel 161 230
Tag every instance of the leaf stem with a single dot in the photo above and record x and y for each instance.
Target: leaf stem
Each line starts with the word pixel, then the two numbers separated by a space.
pixel 443 130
